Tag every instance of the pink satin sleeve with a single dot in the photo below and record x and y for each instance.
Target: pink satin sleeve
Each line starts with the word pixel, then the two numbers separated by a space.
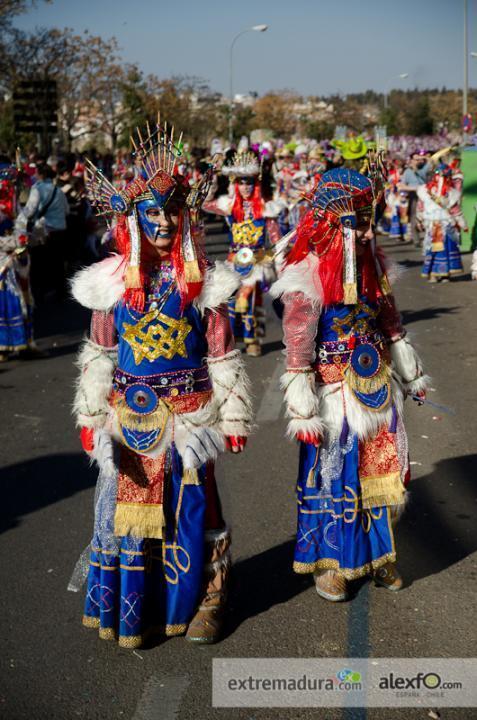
pixel 220 339
pixel 103 330
pixel 300 327
pixel 273 231
pixel 212 206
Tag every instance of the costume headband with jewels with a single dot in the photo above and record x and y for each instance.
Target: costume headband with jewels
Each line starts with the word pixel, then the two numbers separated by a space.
pixel 243 164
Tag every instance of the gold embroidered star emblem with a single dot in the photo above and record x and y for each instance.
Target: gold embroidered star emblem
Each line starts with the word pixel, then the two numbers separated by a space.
pixel 246 233
pixel 157 335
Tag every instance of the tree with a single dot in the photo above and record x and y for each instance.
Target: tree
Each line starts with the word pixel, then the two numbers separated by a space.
pixel 419 120
pixel 88 73
pixel 274 112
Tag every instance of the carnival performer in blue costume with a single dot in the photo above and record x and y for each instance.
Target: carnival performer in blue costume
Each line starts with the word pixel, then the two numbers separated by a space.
pixel 349 368
pixel 161 392
pixel 254 228
pixel 16 302
pixel 440 213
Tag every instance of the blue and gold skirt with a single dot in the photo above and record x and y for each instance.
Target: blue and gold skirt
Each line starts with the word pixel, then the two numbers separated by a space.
pixel 15 315
pixel 445 262
pixel 334 530
pixel 147 586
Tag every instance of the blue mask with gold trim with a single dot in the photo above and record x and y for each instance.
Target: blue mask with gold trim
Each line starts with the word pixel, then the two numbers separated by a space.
pixel 149 228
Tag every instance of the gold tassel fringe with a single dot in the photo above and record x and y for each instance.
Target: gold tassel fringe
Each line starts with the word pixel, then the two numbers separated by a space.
pixel 190 477
pixel 310 480
pixel 132 277
pixel 156 420
pixel 385 284
pixel 139 520
pixel 350 294
pixel 192 271
pixel 382 491
pixel 370 384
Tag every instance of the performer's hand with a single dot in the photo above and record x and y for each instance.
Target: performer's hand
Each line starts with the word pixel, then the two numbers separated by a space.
pixel 235 444
pixel 419 397
pixel 87 439
pixel 309 438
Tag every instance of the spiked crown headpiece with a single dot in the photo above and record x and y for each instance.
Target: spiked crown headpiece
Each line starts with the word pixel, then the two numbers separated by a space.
pixel 159 180
pixel 244 164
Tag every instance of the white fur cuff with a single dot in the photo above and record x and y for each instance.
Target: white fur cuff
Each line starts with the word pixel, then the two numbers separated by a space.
pixel 302 403
pixel 405 360
pixel 91 406
pixel 232 395
pixel 420 384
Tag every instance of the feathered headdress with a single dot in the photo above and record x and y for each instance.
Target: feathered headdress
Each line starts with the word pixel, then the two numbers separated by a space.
pixel 343 200
pixel 159 180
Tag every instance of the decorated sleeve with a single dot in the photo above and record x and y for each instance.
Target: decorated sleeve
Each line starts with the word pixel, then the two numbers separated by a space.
pixel 96 362
pixel 220 206
pixel 300 326
pixel 390 321
pixel 273 231
pixel 230 382
pixel 220 339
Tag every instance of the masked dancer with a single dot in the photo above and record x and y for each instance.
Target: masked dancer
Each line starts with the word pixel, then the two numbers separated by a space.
pixel 161 392
pixel 349 369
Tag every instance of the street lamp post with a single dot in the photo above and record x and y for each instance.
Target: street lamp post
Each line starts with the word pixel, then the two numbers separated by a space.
pixel 466 64
pixel 254 28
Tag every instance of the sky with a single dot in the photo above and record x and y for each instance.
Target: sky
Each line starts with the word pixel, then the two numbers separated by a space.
pixel 315 47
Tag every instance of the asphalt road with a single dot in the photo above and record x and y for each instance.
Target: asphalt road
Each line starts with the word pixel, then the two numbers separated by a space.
pixel 52 667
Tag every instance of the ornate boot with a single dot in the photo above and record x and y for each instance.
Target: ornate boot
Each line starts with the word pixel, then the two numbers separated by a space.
pixel 254 349
pixel 388 577
pixel 206 625
pixel 330 585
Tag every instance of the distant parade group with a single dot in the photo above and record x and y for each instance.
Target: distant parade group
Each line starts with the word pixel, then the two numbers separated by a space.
pixel 163 389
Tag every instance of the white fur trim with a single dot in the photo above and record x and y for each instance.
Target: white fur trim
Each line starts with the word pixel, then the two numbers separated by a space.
pixel 203 444
pixel 300 277
pixel 103 453
pixel 232 395
pixel 220 284
pixel 334 397
pixel 262 272
pixel 217 536
pixel 406 361
pixel 420 384
pixel 302 403
pixel 249 170
pixel 90 405
pixel 224 203
pixel 273 208
pixel 100 286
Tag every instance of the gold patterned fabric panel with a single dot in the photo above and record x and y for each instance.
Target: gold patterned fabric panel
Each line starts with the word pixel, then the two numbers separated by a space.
pixel 157 335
